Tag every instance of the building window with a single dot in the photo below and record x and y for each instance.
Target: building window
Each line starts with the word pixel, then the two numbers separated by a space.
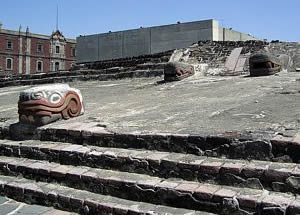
pixel 9 63
pixel 56 66
pixel 39 66
pixel 39 48
pixel 9 44
pixel 73 53
pixel 57 50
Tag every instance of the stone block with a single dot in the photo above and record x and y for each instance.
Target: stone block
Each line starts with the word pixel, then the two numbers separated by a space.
pixel 279 172
pixel 191 162
pixel 57 212
pixel 60 171
pixel 188 187
pixel 224 193
pixel 168 184
pixel 255 169
pixel 75 173
pixel 91 205
pixel 211 166
pixel 294 207
pixel 233 167
pixel 206 192
pixel 282 200
pixel 250 198
pixel 281 140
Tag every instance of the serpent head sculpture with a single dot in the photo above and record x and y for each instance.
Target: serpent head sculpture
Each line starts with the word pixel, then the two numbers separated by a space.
pixel 176 71
pixel 47 103
pixel 264 64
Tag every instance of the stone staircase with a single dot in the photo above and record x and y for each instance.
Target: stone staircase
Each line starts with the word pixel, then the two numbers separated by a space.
pixel 90 171
pixel 135 67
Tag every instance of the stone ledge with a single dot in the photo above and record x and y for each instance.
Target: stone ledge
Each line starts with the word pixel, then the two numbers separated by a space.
pixel 238 146
pixel 80 201
pixel 89 76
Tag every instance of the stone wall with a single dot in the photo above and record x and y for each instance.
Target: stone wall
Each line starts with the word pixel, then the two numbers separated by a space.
pixel 131 61
pixel 232 35
pixel 133 67
pixel 214 53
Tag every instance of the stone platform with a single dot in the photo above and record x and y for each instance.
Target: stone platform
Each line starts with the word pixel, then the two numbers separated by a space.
pixel 195 105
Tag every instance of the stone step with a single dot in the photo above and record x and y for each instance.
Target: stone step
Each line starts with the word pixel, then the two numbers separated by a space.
pixel 274 176
pixel 248 146
pixel 150 66
pixel 12 207
pixel 81 201
pixel 143 188
pixel 77 76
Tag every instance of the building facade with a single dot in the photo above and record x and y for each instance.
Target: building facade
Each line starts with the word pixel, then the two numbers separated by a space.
pixel 151 40
pixel 28 53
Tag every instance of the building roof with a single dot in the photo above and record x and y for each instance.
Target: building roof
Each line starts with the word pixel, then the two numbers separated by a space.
pixel 40 36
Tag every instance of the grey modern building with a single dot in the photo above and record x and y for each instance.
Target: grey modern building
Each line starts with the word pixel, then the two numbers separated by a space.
pixel 143 41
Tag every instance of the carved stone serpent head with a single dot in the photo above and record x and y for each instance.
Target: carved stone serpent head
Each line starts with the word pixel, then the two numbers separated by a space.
pixel 47 103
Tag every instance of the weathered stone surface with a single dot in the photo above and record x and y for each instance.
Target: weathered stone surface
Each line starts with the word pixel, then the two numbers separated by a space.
pixel 47 103
pixel 294 207
pixel 79 201
pixel 231 206
pixel 279 171
pixel 293 182
pixel 273 211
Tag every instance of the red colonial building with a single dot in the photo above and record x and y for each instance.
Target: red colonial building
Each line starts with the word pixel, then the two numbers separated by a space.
pixel 27 53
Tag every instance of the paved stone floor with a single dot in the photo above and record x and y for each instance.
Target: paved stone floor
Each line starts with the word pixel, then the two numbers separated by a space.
pixel 195 105
pixel 11 207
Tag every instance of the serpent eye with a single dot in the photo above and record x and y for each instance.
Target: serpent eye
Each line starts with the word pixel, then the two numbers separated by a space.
pixel 55 98
pixel 37 95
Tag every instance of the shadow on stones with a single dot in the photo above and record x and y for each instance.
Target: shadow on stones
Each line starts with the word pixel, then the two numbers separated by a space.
pixel 19 131
pixel 160 82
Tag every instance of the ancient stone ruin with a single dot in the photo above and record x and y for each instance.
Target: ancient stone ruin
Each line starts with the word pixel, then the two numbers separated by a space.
pixel 205 145
pixel 48 103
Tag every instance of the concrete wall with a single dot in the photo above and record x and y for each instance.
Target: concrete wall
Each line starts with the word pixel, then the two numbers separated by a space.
pixel 232 35
pixel 169 37
pixel 151 40
pixel 87 48
pixel 136 42
pixel 142 41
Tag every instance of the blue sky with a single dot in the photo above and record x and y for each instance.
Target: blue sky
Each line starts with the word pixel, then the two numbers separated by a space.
pixel 270 19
